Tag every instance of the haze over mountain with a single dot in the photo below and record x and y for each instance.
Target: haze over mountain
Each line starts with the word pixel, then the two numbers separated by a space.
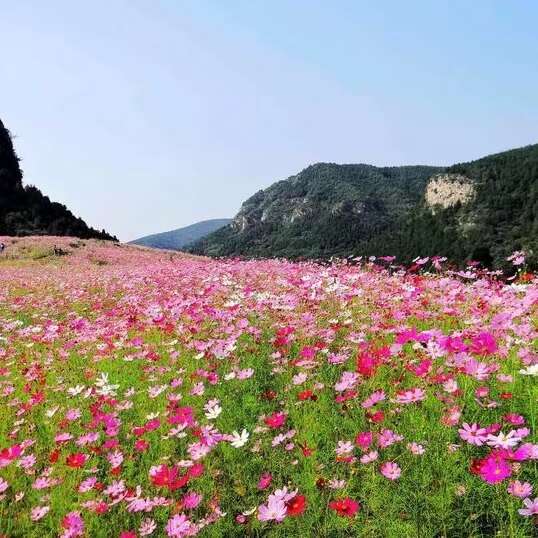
pixel 25 210
pixel 177 239
pixel 481 210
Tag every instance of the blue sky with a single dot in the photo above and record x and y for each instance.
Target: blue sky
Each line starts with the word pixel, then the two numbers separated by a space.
pixel 146 116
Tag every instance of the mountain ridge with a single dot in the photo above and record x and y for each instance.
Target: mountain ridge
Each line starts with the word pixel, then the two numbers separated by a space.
pixel 329 209
pixel 181 237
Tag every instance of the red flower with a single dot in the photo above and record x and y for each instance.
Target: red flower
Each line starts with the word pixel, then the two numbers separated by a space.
pixel 141 445
pixel 115 471
pixel 54 455
pixel 76 460
pixel 269 394
pixel 152 425
pixel 276 420
pixel 376 417
pixel 366 365
pixel 296 506
pixel 139 430
pixel 345 507
pixel 101 507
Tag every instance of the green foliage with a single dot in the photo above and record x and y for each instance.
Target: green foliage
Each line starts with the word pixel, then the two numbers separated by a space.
pixel 341 210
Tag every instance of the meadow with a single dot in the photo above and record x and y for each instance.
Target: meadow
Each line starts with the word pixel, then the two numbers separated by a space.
pixel 150 393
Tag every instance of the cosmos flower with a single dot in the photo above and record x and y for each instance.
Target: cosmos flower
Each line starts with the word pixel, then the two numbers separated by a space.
pixel 519 489
pixel 345 507
pixel 391 470
pixel 239 439
pixel 494 469
pixel 473 434
pixel 531 507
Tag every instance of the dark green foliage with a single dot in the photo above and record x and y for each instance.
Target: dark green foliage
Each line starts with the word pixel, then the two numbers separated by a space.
pixel 341 210
pixel 24 210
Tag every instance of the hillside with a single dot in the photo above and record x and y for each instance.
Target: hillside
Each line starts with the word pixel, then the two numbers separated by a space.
pixel 25 210
pixel 177 239
pixel 144 391
pixel 481 210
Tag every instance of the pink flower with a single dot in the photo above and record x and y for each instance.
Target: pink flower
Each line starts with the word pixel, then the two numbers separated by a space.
pixel 519 489
pixel 347 381
pixel 531 507
pixel 3 485
pixel 473 434
pixel 147 527
pixel 344 448
pixel 369 457
pixel 416 449
pixel 410 396
pixel 373 399
pixel 391 470
pixel 179 526
pixel 387 438
pixel 274 510
pixel 39 512
pixel 87 485
pixel 517 258
pixel 73 525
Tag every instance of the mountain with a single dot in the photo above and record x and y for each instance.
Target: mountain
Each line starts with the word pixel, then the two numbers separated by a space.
pixel 481 210
pixel 24 210
pixel 177 239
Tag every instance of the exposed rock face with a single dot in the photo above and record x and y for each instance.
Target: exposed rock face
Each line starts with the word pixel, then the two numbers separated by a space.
pixel 446 190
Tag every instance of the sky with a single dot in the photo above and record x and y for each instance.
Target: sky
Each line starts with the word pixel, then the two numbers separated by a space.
pixel 145 116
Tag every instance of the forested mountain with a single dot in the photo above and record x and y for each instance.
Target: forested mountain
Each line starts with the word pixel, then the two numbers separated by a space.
pixel 24 210
pixel 177 239
pixel 481 210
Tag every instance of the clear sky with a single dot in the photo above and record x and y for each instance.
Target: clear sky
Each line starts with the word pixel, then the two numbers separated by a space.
pixel 144 116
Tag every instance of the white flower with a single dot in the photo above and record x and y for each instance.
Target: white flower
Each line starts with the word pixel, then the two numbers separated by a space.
pixel 509 440
pixel 530 370
pixel 239 440
pixel 213 409
pixel 104 387
pixel 51 412
pixel 75 391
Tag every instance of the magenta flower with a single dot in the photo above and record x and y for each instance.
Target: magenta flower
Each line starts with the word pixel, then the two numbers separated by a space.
pixel 191 500
pixel 494 469
pixel 265 481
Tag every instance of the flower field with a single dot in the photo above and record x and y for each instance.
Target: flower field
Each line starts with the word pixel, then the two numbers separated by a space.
pixel 147 393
